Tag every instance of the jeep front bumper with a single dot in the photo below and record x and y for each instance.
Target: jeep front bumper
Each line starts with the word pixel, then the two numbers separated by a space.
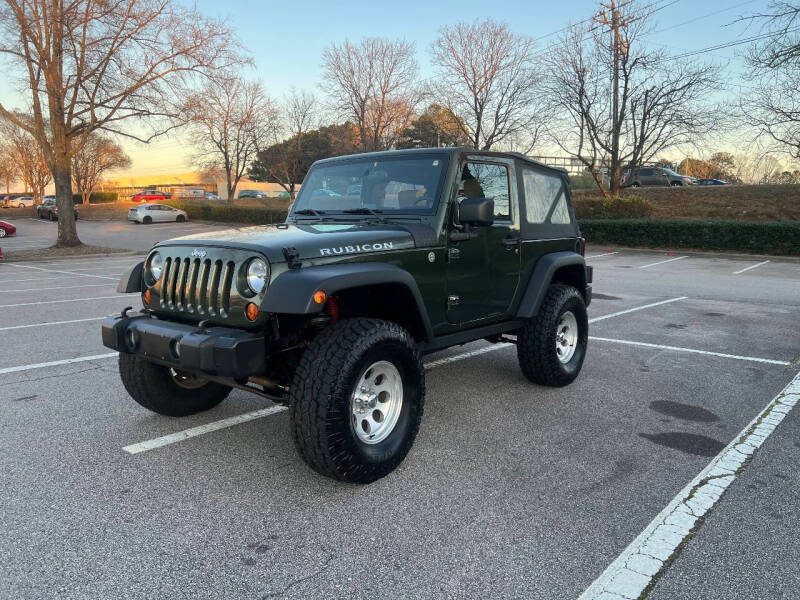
pixel 215 351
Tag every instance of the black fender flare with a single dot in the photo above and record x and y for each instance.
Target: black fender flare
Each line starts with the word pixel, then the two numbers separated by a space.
pixel 292 292
pixel 541 277
pixel 132 280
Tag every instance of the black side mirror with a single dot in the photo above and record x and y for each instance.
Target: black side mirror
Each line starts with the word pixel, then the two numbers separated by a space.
pixel 476 211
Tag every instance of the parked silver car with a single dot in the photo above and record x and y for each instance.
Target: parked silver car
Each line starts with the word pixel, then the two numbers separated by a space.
pixel 156 213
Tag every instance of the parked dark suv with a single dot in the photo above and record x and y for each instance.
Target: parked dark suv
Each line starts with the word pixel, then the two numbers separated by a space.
pixel 655 176
pixel 410 252
pixel 48 209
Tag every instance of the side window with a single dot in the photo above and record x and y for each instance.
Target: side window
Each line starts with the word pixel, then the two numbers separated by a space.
pixel 545 201
pixel 484 180
pixel 646 172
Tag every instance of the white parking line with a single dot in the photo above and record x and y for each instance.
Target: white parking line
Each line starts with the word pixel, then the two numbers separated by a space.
pixel 630 310
pixel 180 436
pixel 51 323
pixel 662 262
pixel 57 271
pixel 202 429
pixel 784 363
pixel 118 296
pixel 649 554
pixel 602 255
pixel 62 287
pixel 750 267
pixel 55 363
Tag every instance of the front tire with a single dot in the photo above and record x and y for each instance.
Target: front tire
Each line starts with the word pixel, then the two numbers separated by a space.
pixel 180 219
pixel 552 345
pixel 166 391
pixel 357 398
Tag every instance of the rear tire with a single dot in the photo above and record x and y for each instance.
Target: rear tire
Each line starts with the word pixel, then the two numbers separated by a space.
pixel 3 233
pixel 147 220
pixel 676 184
pixel 552 345
pixel 356 400
pixel 166 392
pixel 636 184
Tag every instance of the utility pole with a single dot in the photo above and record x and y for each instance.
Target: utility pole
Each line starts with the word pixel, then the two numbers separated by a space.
pixel 610 17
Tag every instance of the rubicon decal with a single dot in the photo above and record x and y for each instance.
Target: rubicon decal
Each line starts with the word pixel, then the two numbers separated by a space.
pixel 357 248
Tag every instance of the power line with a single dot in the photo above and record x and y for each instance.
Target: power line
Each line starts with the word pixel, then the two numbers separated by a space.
pixel 754 38
pixel 705 16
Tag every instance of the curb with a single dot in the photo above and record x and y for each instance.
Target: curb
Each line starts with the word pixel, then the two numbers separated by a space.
pixel 11 258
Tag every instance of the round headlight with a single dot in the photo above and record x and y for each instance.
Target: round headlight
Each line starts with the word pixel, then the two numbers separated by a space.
pixel 155 265
pixel 256 275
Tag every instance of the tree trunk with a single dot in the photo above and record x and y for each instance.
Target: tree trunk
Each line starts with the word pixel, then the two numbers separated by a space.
pixel 85 195
pixel 67 232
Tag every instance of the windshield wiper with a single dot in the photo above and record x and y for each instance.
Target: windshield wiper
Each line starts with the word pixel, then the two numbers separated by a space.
pixel 311 212
pixel 365 211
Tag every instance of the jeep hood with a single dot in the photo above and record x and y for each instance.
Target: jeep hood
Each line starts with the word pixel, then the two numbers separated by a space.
pixel 314 240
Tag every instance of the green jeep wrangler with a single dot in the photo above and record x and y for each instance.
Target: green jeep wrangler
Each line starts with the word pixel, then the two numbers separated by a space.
pixel 383 258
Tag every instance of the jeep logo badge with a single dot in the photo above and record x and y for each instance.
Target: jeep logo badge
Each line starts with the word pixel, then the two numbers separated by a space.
pixel 198 253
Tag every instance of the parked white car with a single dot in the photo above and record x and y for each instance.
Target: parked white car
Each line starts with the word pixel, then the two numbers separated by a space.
pixel 22 201
pixel 156 213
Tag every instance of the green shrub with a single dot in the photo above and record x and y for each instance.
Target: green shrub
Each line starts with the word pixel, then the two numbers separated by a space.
pixel 220 211
pixel 629 207
pixel 782 238
pixel 97 198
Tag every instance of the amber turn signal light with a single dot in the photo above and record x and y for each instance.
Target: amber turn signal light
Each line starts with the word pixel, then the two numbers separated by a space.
pixel 320 297
pixel 146 296
pixel 251 311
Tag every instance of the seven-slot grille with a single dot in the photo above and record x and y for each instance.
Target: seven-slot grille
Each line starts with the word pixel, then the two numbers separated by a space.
pixel 197 286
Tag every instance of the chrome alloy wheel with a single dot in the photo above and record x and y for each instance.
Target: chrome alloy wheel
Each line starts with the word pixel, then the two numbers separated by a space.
pixel 566 337
pixel 376 402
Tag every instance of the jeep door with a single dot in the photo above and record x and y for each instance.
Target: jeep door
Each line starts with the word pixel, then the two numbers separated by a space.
pixel 483 271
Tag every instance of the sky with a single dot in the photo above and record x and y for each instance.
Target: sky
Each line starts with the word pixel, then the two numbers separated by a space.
pixel 286 39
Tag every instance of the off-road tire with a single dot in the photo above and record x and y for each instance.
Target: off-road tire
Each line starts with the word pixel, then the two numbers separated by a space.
pixel 321 397
pixel 153 387
pixel 536 341
pixel 147 220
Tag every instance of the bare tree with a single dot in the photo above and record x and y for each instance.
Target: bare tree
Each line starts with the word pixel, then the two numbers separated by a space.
pixel 229 121
pixel 93 65
pixel 372 84
pixel 773 105
pixel 98 156
pixel 9 172
pixel 486 75
pixel 28 158
pixel 300 111
pixel 617 105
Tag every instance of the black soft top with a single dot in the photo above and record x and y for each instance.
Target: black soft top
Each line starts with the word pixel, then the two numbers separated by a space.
pixel 447 150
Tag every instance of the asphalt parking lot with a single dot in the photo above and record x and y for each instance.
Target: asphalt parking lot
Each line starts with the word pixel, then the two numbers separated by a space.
pixel 35 233
pixel 511 490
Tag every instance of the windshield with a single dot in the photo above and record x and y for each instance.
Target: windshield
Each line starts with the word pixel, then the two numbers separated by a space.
pixel 391 185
